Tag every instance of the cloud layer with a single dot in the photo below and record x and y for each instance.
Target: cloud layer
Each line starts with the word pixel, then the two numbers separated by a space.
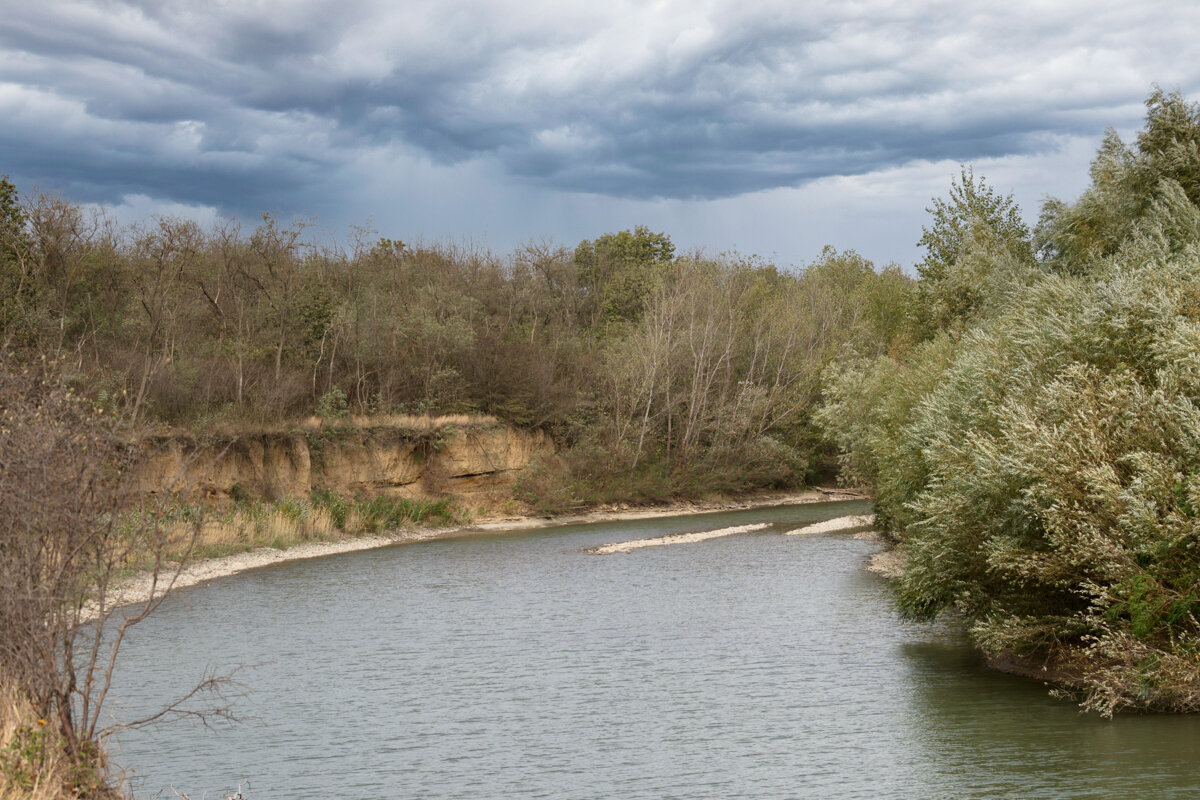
pixel 286 105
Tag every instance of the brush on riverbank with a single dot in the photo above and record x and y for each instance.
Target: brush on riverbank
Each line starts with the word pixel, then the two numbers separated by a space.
pixel 33 763
pixel 325 516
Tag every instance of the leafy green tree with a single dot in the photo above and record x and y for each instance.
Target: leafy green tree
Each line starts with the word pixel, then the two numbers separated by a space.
pixel 976 239
pixel 1073 237
pixel 971 203
pixel 12 220
pixel 622 271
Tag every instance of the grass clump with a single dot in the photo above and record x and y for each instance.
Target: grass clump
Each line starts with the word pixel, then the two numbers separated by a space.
pixel 33 760
pixel 384 513
pixel 325 515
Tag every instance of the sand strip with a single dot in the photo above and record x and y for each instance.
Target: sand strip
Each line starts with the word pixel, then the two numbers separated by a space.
pixel 138 589
pixel 836 524
pixel 674 538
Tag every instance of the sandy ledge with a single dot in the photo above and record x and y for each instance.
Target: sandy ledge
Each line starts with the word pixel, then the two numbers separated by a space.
pixel 673 538
pixel 836 524
pixel 138 588
pixel 887 563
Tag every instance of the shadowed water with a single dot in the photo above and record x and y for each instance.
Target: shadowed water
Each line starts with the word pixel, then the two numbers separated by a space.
pixel 756 665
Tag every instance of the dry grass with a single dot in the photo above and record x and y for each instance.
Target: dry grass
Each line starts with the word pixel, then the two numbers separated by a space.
pixel 325 516
pixel 31 766
pixel 250 527
pixel 314 424
pixel 421 420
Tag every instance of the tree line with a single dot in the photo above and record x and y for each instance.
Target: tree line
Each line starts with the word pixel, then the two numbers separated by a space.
pixel 672 373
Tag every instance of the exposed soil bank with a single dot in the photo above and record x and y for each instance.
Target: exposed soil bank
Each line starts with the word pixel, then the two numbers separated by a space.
pixel 138 589
pixel 475 460
pixel 1061 675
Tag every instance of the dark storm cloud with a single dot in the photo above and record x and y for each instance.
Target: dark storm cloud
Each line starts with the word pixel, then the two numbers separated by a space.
pixel 260 106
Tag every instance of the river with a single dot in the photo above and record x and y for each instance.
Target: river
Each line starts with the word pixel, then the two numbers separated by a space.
pixel 518 666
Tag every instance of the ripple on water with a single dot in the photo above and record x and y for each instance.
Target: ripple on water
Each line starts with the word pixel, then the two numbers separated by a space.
pixel 754 665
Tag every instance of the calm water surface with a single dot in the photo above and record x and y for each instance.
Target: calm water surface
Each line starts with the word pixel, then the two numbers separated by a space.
pixel 516 666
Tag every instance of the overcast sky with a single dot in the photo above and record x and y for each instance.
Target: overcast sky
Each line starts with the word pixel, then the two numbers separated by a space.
pixel 771 128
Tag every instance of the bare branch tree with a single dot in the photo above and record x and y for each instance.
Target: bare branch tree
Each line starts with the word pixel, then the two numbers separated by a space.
pixel 70 524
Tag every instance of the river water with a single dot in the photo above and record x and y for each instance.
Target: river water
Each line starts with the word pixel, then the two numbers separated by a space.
pixel 517 666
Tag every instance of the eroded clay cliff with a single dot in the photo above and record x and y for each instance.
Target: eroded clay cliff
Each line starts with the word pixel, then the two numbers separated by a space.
pixel 473 462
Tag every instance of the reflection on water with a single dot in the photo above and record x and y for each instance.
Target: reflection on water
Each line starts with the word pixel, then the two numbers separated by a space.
pixel 982 732
pixel 756 665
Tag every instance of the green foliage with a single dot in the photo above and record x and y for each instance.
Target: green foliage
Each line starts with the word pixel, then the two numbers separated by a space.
pixel 716 381
pixel 32 750
pixel 976 244
pixel 18 292
pixel 238 493
pixel 388 513
pixel 334 504
pixel 293 509
pixel 333 405
pixel 971 204
pixel 622 270
pixel 704 368
pixel 1125 179
pixel 1039 464
pixel 13 237
pixel 596 473
pixel 23 759
pixel 549 485
pixel 867 409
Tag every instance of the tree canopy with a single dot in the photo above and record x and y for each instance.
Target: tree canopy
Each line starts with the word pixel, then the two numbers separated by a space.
pixel 621 270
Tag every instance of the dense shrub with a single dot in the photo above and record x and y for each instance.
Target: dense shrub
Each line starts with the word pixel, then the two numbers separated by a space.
pixel 1041 465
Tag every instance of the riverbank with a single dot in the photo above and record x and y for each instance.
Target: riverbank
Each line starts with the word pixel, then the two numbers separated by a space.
pixel 143 586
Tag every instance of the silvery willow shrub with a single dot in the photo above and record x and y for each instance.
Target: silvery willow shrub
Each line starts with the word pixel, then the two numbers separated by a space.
pixel 1037 455
pixel 1043 468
